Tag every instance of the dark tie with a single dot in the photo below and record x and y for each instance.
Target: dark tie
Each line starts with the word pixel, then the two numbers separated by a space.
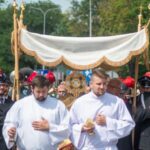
pixel 1 100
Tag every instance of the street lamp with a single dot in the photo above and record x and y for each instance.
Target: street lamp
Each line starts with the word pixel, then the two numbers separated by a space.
pixel 44 13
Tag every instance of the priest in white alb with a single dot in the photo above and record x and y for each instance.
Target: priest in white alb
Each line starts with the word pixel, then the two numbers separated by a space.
pixel 98 119
pixel 37 122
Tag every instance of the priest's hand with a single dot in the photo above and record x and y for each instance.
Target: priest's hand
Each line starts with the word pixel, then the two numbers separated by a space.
pixel 42 125
pixel 12 132
pixel 87 129
pixel 100 120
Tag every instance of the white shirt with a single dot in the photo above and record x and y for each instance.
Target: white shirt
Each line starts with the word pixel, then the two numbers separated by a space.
pixel 118 121
pixel 27 110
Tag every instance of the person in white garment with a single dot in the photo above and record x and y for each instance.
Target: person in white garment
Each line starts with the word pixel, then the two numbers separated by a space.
pixel 36 122
pixel 98 119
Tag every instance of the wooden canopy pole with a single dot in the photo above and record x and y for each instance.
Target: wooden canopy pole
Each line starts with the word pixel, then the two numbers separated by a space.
pixel 146 59
pixel 136 74
pixel 137 62
pixel 15 47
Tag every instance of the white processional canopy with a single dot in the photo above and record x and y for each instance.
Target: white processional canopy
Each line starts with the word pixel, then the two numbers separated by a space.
pixel 84 52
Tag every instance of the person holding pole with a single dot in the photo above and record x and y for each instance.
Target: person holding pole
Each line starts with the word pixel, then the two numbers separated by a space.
pixel 142 115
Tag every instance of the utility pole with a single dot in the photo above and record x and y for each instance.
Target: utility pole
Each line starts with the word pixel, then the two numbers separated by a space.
pixel 90 18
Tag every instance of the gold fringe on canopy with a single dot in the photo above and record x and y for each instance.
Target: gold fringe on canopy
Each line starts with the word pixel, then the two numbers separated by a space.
pixel 103 61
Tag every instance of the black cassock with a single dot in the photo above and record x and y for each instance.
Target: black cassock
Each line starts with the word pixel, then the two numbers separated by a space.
pixel 142 120
pixel 3 110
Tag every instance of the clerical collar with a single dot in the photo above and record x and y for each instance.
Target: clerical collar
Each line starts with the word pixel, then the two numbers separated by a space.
pixel 95 96
pixel 38 100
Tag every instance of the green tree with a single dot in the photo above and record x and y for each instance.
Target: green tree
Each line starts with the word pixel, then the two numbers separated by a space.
pixel 2 1
pixel 34 18
pixel 109 17
pixel 34 21
pixel 79 17
pixel 6 58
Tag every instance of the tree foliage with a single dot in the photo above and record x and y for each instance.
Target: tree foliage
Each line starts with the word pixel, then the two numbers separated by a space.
pixel 34 18
pixel 34 21
pixel 2 1
pixel 6 59
pixel 109 17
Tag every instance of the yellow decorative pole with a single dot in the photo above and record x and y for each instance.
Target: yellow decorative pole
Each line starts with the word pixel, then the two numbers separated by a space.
pixel 22 14
pixel 16 80
pixel 136 72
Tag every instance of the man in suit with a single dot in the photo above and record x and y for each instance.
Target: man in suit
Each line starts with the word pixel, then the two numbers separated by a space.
pixel 5 104
pixel 142 116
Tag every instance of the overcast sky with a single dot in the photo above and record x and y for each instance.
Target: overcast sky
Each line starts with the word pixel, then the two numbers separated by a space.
pixel 63 3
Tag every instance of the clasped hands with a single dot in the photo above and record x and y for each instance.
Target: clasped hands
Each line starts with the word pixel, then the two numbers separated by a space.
pixel 100 120
pixel 41 125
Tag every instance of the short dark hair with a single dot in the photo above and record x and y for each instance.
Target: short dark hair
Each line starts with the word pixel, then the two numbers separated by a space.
pixel 99 73
pixel 40 81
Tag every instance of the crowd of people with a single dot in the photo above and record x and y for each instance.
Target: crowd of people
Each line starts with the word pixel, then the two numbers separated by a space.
pixel 100 119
